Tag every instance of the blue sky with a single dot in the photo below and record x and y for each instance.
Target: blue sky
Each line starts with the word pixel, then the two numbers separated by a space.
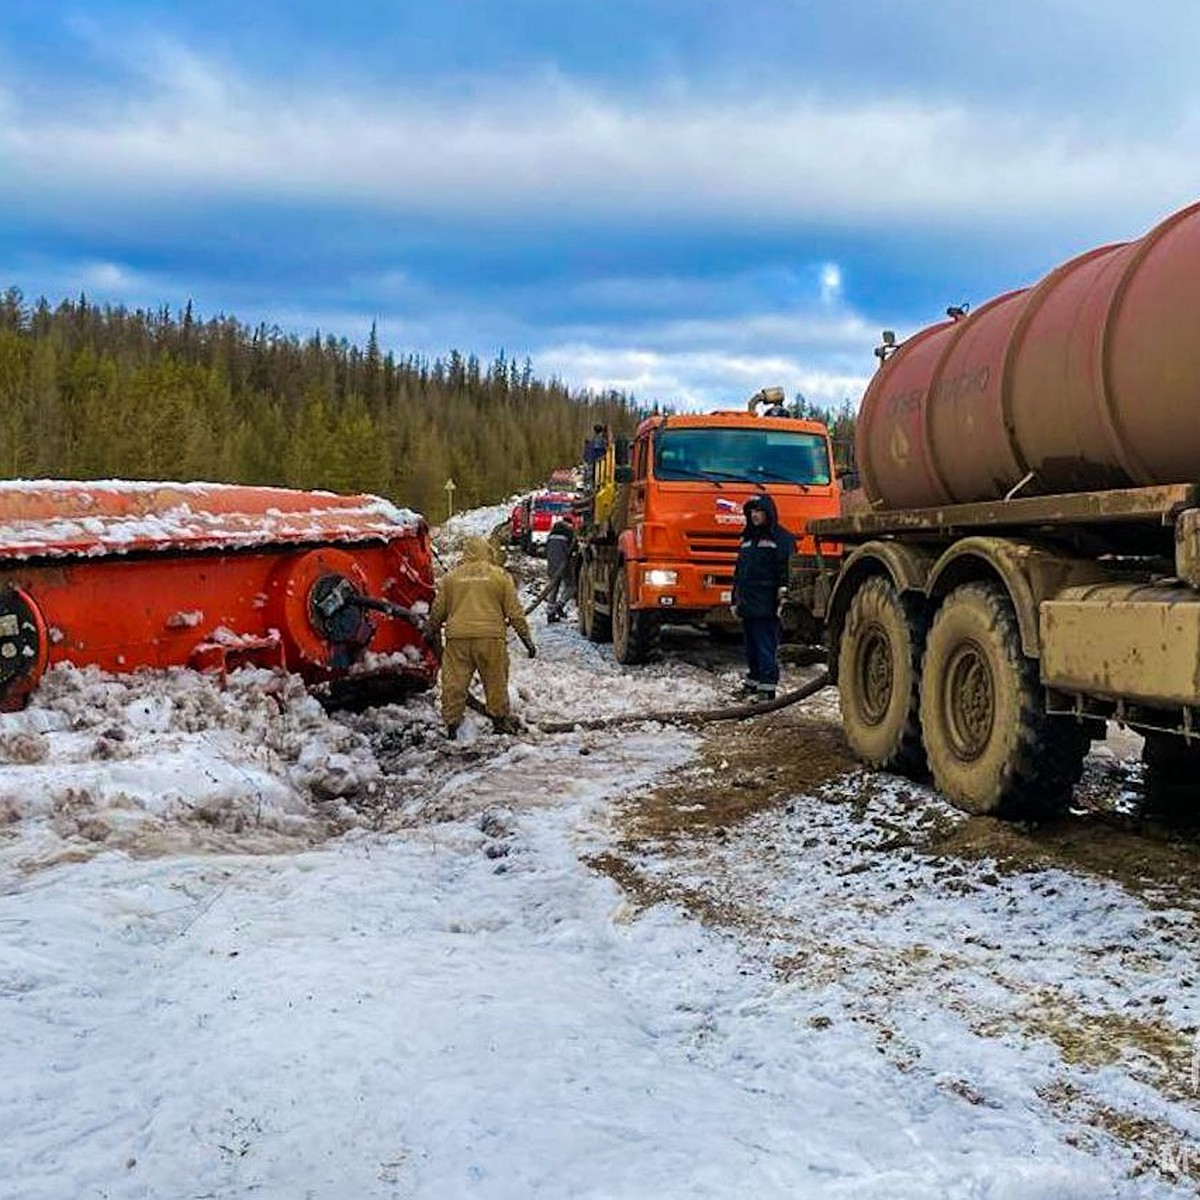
pixel 689 200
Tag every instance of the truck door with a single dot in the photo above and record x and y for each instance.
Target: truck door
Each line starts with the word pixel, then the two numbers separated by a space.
pixel 637 494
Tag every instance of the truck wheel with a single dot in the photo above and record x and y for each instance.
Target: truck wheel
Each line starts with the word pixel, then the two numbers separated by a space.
pixel 634 633
pixel 879 663
pixel 991 746
pixel 1172 780
pixel 595 626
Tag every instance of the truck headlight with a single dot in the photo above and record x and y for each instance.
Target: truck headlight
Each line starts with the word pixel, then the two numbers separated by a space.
pixel 660 577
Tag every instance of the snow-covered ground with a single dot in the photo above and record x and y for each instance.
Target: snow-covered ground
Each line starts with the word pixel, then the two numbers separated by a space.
pixel 250 949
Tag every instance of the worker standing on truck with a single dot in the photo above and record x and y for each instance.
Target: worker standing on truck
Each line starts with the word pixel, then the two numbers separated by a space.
pixel 559 546
pixel 477 602
pixel 594 450
pixel 761 571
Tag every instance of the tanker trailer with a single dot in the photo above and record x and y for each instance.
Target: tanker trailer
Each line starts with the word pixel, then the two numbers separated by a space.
pixel 1026 562
pixel 126 575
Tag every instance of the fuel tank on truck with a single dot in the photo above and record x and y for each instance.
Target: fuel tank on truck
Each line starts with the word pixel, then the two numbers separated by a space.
pixel 1088 380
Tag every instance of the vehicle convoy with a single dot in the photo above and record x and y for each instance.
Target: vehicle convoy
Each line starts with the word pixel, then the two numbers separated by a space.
pixel 1025 562
pixel 124 575
pixel 663 524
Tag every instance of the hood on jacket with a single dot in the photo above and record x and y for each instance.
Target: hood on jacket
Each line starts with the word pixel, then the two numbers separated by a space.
pixel 477 549
pixel 763 501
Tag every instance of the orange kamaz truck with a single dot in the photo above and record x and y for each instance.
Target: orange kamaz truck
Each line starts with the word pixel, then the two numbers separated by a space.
pixel 663 520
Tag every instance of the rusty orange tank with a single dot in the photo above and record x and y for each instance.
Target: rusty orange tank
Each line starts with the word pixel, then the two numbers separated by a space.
pixel 123 575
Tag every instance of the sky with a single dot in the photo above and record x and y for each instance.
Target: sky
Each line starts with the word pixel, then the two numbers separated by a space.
pixel 687 201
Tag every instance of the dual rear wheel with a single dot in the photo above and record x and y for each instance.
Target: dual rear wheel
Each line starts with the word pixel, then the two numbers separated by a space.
pixel 956 694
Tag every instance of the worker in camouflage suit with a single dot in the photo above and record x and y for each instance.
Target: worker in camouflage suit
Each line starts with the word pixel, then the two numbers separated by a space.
pixel 475 604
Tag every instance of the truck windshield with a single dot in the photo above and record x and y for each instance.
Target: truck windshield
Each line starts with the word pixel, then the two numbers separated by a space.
pixel 552 506
pixel 742 456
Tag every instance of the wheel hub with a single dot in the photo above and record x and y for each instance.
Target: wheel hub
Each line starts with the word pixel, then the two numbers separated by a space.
pixel 969 701
pixel 875 674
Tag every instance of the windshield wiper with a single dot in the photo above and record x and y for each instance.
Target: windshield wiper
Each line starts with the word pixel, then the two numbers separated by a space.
pixel 775 477
pixel 707 476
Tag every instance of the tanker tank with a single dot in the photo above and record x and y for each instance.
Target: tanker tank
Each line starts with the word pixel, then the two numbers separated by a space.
pixel 1088 380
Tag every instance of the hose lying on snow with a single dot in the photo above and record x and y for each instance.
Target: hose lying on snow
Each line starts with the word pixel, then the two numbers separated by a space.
pixel 683 716
pixel 546 590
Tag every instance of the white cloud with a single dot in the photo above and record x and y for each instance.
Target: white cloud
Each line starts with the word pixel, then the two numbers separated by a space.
pixel 831 283
pixel 109 277
pixel 694 379
pixel 548 149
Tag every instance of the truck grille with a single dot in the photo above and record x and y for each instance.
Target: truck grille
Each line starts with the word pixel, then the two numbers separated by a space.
pixel 715 544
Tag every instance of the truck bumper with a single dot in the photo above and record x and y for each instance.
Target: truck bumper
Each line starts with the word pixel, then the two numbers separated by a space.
pixel 697 589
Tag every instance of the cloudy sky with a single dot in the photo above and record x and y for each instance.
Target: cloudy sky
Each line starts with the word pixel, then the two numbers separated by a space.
pixel 689 199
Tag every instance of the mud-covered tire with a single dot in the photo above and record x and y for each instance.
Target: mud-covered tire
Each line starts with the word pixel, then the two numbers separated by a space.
pixel 879 676
pixel 634 632
pixel 991 746
pixel 595 626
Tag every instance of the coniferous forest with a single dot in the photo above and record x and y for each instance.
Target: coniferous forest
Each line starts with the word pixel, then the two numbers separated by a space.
pixel 91 392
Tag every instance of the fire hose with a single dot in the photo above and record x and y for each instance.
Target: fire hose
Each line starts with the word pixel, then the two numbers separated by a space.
pixel 704 716
pixel 683 716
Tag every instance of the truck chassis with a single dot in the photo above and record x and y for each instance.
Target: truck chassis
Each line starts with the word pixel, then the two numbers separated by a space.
pixel 987 643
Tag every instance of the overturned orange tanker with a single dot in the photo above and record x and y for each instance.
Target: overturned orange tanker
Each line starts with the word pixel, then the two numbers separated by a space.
pixel 122 575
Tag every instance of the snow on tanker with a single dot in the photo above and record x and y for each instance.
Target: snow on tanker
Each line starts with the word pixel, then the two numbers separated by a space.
pixel 122 575
pixel 1026 564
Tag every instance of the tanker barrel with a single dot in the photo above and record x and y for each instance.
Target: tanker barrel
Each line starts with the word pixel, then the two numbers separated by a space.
pixel 1088 380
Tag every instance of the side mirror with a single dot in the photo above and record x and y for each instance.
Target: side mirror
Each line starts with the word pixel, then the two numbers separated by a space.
pixel 623 473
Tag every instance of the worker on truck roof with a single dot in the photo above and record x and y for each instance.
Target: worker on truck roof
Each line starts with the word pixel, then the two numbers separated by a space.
pixel 761 570
pixel 476 602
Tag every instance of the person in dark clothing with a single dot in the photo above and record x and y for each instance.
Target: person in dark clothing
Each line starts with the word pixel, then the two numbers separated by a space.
pixel 559 546
pixel 761 570
pixel 594 451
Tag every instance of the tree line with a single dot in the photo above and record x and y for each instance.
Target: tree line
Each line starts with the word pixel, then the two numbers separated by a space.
pixel 90 391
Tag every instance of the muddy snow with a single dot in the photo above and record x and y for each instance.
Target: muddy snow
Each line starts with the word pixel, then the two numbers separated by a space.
pixel 251 948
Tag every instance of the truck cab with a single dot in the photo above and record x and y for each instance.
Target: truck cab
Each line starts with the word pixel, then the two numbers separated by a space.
pixel 665 550
pixel 545 508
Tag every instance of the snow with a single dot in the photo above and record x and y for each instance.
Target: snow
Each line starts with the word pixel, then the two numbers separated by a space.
pixel 476 522
pixel 102 517
pixel 249 948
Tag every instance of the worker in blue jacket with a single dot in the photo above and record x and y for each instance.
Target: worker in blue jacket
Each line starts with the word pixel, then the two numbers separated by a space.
pixel 760 573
